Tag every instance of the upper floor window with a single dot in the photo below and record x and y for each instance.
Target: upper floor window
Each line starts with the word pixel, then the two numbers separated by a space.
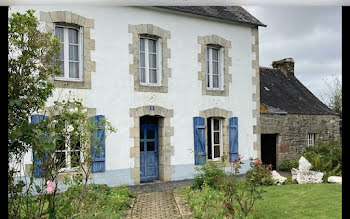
pixel 311 139
pixel 70 56
pixel 214 74
pixel 150 61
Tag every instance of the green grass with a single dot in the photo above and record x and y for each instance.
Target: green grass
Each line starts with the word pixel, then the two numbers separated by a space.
pixel 287 201
pixel 300 201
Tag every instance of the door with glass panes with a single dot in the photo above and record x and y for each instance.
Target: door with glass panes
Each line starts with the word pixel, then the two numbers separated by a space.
pixel 148 152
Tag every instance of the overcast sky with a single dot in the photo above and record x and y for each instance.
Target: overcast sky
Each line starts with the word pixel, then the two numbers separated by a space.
pixel 311 35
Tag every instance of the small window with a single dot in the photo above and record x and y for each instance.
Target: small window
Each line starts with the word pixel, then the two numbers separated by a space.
pixel 70 56
pixel 311 139
pixel 214 72
pixel 214 126
pixel 150 61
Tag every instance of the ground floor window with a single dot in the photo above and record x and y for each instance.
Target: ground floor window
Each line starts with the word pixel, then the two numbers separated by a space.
pixel 67 156
pixel 67 153
pixel 311 139
pixel 214 127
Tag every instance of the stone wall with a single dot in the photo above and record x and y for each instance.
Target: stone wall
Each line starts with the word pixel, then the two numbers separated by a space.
pixel 292 130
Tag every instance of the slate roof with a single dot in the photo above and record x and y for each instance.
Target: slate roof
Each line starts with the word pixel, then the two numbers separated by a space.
pixel 280 94
pixel 228 13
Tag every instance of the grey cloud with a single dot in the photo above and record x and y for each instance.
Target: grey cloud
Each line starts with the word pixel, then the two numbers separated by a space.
pixel 310 35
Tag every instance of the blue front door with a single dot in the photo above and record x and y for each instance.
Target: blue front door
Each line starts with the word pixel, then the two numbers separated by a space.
pixel 148 152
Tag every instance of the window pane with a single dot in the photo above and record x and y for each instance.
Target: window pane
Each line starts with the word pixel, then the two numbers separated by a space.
pixel 150 146
pixel 61 57
pixel 152 46
pixel 141 134
pixel 216 124
pixel 74 69
pixel 152 61
pixel 60 145
pixel 150 134
pixel 75 158
pixel 142 44
pixel 62 69
pixel 216 138
pixel 152 76
pixel 142 59
pixel 76 147
pixel 74 52
pixel 215 68
pixel 73 35
pixel 215 55
pixel 216 151
pixel 141 146
pixel 59 33
pixel 60 159
pixel 216 81
pixel 143 75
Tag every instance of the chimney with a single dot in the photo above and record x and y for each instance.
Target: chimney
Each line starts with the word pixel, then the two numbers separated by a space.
pixel 285 65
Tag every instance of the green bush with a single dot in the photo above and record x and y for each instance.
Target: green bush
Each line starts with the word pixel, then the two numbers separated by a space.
pixel 207 202
pixel 287 165
pixel 259 174
pixel 210 172
pixel 99 200
pixel 217 194
pixel 326 158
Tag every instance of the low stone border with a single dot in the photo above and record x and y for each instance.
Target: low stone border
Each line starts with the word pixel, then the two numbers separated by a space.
pixel 182 204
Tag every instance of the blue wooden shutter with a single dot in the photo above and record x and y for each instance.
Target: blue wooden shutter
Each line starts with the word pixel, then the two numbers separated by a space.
pixel 199 140
pixel 37 167
pixel 98 152
pixel 233 132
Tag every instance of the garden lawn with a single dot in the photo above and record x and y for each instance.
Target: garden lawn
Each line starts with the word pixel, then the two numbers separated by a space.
pixel 300 201
pixel 286 201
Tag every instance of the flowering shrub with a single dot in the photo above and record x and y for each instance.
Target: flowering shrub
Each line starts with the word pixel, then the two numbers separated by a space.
pixel 68 128
pixel 259 174
pixel 210 173
pixel 217 194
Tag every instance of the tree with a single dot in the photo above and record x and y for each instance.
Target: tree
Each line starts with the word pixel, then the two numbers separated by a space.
pixel 31 61
pixel 334 94
pixel 334 98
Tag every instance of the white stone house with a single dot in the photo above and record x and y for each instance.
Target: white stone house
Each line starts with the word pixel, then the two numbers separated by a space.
pixel 172 80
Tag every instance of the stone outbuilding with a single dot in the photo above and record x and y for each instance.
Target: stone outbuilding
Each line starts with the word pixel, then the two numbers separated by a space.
pixel 292 118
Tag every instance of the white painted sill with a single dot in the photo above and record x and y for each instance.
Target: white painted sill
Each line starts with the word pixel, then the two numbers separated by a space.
pixel 151 85
pixel 68 79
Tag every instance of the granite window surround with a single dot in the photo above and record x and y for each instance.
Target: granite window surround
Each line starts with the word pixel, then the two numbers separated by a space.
pixel 70 18
pixel 223 114
pixel 204 41
pixel 156 32
pixel 51 111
